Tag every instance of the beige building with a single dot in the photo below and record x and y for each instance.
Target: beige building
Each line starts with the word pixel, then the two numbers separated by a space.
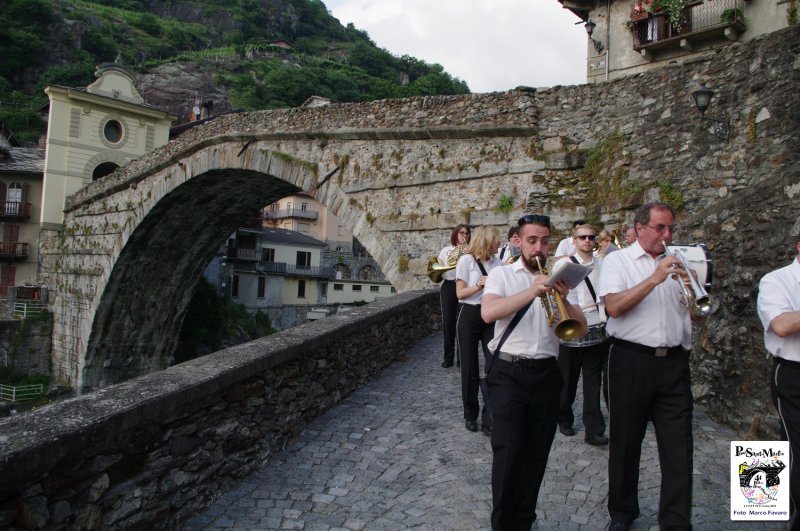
pixel 93 131
pixel 630 36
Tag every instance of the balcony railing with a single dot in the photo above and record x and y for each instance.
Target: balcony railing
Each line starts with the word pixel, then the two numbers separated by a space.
pixel 282 268
pixel 14 210
pixel 291 213
pixel 702 20
pixel 13 251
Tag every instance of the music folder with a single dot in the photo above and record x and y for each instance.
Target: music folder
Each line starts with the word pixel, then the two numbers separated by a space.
pixel 570 272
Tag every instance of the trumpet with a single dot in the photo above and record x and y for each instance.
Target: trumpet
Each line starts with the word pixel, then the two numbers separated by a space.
pixel 436 270
pixel 567 328
pixel 702 304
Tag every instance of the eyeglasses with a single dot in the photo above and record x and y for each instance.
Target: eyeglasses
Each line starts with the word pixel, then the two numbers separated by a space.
pixel 534 218
pixel 463 232
pixel 590 237
pixel 660 228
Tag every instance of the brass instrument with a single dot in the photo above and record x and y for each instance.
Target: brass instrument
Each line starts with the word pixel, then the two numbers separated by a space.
pixel 567 328
pixel 702 304
pixel 436 270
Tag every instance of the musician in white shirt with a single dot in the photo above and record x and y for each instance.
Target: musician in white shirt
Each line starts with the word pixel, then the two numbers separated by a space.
pixel 524 382
pixel 779 311
pixel 447 294
pixel 566 246
pixel 588 354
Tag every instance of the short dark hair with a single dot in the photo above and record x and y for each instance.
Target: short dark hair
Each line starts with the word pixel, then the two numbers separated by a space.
pixel 512 231
pixel 642 215
pixel 578 222
pixel 534 219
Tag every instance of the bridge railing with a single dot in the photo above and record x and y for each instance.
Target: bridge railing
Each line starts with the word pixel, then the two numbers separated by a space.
pixel 20 393
pixel 182 435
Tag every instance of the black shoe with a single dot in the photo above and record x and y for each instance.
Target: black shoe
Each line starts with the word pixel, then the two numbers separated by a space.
pixel 566 430
pixel 597 440
pixel 619 526
pixel 487 430
pixel 447 364
pixel 472 425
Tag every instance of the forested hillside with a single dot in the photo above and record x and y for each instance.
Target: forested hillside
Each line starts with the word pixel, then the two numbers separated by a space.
pixel 203 49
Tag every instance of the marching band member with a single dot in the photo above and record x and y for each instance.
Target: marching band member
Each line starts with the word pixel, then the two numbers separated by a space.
pixel 648 371
pixel 566 246
pixel 779 311
pixel 524 382
pixel 471 273
pixel 459 238
pixel 588 354
pixel 510 250
pixel 630 235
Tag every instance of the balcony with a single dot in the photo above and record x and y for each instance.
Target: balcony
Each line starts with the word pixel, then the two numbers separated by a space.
pixel 14 210
pixel 282 268
pixel 298 213
pixel 703 21
pixel 13 251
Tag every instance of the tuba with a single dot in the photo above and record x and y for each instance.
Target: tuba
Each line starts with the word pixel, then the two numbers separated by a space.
pixel 436 270
pixel 567 328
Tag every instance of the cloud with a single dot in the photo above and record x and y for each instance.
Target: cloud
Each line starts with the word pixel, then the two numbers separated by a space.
pixel 493 45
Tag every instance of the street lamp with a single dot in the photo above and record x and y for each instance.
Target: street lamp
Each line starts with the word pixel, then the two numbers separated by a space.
pixel 702 100
pixel 598 46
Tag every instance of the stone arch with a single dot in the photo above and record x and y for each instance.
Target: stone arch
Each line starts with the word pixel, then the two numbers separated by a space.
pixel 367 272
pixel 344 270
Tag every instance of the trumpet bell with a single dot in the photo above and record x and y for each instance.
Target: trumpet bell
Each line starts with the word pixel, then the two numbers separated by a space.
pixel 570 329
pixel 705 306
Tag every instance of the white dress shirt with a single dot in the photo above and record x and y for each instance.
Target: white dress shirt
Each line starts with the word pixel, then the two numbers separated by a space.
pixel 580 295
pixel 467 270
pixel 565 247
pixel 660 319
pixel 531 338
pixel 779 292
pixel 448 275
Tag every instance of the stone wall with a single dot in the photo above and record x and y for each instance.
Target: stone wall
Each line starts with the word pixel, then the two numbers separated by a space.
pixel 25 345
pixel 149 452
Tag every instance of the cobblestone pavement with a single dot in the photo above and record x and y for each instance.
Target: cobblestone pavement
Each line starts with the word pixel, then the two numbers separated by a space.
pixel 396 455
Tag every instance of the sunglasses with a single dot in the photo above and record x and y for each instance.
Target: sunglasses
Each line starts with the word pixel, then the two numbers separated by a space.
pixel 590 237
pixel 534 218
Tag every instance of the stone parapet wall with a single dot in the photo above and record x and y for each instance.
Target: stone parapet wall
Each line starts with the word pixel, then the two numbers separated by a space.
pixel 148 452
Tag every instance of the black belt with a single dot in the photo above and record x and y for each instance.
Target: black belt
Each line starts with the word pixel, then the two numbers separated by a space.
pixel 658 352
pixel 521 361
pixel 789 363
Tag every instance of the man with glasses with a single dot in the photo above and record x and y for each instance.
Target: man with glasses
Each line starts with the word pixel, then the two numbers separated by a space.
pixel 566 246
pixel 524 382
pixel 449 255
pixel 588 354
pixel 779 311
pixel 648 370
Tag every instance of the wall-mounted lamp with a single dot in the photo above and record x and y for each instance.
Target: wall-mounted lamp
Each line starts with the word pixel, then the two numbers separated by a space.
pixel 702 99
pixel 590 29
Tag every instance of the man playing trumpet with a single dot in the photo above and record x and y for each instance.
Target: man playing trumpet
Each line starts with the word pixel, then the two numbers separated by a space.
pixel 648 370
pixel 524 381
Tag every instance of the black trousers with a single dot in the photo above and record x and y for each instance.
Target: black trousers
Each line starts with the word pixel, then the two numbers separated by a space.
pixel 525 408
pixel 449 304
pixel 471 331
pixel 785 384
pixel 592 361
pixel 642 388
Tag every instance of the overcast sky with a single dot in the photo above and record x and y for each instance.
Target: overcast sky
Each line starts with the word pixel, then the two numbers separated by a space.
pixel 493 45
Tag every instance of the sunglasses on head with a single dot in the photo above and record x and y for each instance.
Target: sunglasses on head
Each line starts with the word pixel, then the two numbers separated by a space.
pixel 534 218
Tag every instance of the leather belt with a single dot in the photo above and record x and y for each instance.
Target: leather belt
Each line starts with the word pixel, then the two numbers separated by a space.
pixel 658 352
pixel 521 361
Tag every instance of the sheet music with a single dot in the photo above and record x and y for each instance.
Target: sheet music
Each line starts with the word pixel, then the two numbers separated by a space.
pixel 572 273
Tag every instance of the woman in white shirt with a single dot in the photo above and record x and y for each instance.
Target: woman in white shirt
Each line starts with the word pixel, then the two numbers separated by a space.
pixel 471 272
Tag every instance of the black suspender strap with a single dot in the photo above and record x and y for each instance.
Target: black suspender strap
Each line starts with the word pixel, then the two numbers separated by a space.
pixel 480 265
pixel 517 318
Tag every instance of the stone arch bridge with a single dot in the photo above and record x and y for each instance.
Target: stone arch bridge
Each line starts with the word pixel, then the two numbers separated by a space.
pixel 400 174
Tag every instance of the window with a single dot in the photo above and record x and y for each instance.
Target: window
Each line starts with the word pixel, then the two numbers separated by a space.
pixel 393 290
pixel 103 169
pixel 301 289
pixel 235 286
pixel 374 289
pixel 262 284
pixel 303 260
pixel 112 131
pixel 267 254
pixel 302 227
pixel 356 287
pixel 324 289
pixel 340 230
pixel 338 287
pixel 303 207
pixel 13 198
pixel 273 207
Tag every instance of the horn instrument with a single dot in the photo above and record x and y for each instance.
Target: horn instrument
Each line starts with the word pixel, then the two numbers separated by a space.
pixel 701 304
pixel 567 328
pixel 436 270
